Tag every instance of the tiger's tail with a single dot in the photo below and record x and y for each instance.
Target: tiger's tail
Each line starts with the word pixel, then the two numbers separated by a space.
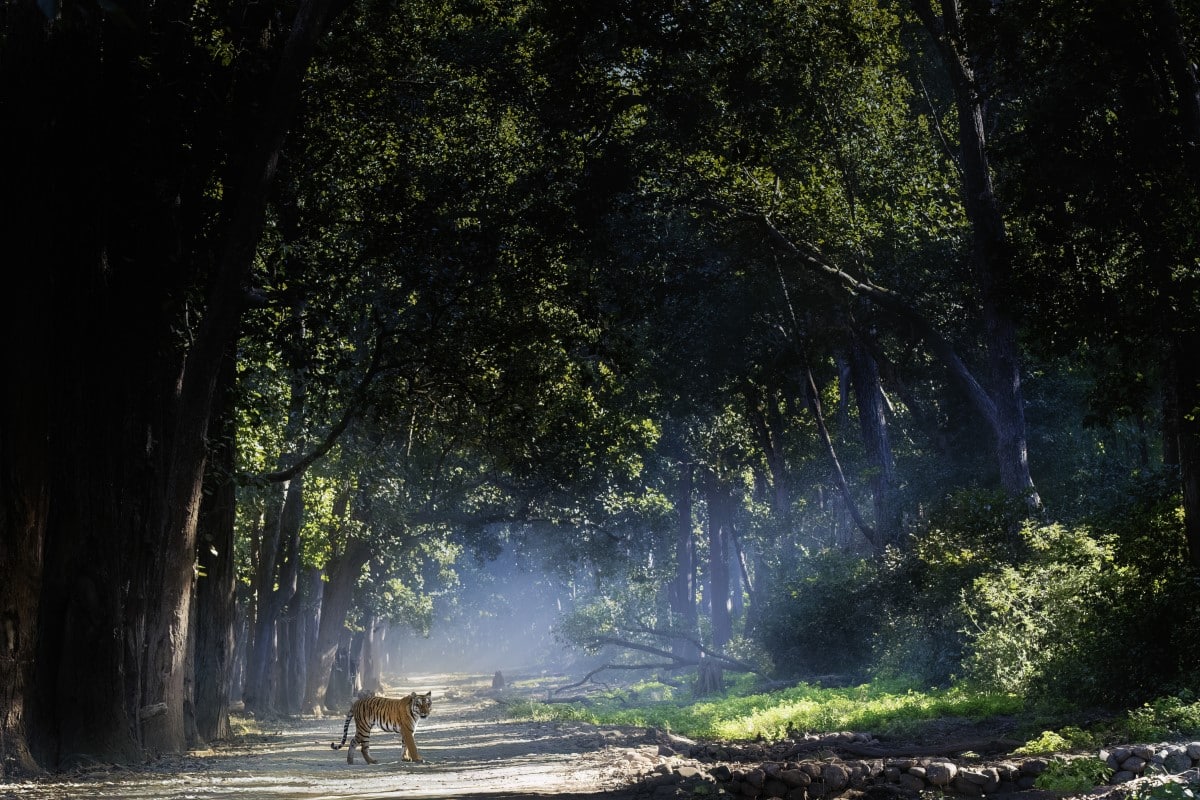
pixel 345 732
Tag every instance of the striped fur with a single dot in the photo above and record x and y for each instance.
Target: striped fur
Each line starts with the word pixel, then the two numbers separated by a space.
pixel 395 714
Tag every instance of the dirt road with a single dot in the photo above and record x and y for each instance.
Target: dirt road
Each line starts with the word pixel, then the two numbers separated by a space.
pixel 470 752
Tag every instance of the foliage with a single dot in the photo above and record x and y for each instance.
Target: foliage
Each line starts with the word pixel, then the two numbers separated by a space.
pixel 824 616
pixel 882 708
pixel 1085 617
pixel 1074 775
pixel 1165 717
pixel 1067 738
pixel 1165 790
pixel 965 536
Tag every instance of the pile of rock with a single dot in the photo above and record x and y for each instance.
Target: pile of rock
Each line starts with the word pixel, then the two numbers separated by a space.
pixel 685 769
pixel 1133 761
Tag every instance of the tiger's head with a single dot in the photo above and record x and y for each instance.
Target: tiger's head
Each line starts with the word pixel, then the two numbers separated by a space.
pixel 422 704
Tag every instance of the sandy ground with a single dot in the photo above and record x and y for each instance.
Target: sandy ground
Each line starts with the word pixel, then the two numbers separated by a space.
pixel 470 751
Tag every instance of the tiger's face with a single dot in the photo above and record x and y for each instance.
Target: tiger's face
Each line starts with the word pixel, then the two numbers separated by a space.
pixel 422 704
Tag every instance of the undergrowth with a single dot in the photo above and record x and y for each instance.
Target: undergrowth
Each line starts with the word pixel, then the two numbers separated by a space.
pixel 890 709
pixel 884 708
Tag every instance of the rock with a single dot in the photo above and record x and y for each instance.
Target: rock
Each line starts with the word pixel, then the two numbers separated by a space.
pixel 1142 751
pixel 835 776
pixel 1177 760
pixel 1193 751
pixel 1026 781
pixel 941 773
pixel 755 778
pixel 795 778
pixel 919 771
pixel 1134 764
pixel 721 773
pixel 964 786
pixel 1122 776
pixel 1034 766
pixel 912 783
pixel 775 788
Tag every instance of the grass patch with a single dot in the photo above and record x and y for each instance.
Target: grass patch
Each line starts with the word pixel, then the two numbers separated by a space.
pixel 882 708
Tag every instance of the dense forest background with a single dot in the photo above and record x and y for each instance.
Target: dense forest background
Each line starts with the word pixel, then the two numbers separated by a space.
pixel 806 337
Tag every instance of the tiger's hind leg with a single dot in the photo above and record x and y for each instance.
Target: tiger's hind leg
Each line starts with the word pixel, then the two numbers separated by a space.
pixel 365 743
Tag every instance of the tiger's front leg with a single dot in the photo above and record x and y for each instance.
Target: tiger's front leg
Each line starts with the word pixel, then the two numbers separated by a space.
pixel 410 747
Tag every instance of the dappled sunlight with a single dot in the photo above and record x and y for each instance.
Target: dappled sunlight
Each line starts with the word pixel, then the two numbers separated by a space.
pixel 469 752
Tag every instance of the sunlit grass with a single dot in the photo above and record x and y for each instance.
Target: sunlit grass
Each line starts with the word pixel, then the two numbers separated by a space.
pixel 879 707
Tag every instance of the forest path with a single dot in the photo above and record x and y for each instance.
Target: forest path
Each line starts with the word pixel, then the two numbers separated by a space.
pixel 470 752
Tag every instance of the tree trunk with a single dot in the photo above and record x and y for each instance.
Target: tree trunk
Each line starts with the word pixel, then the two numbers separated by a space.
pixel 683 591
pixel 872 419
pixel 991 255
pixel 215 586
pixel 276 585
pixel 338 592
pixel 718 563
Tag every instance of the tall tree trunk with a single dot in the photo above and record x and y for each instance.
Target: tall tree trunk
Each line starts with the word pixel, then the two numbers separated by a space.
pixel 683 592
pixel 719 518
pixel 338 592
pixel 1183 374
pixel 216 605
pixel 872 419
pixel 991 254
pixel 276 584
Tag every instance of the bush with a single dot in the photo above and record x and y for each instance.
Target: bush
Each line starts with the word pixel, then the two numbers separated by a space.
pixel 1074 775
pixel 922 636
pixel 824 618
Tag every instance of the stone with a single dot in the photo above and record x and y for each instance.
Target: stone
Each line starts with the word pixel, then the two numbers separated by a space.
pixel 941 773
pixel 721 773
pixel 919 771
pixel 836 777
pixel 1034 766
pixel 1122 776
pixel 1177 762
pixel 755 778
pixel 1142 751
pixel 775 788
pixel 967 787
pixel 689 772
pixel 795 778
pixel 911 782
pixel 1193 751
pixel 797 794
pixel 1134 764
pixel 891 774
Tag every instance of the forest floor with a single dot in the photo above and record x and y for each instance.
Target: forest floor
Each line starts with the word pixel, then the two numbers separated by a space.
pixel 470 751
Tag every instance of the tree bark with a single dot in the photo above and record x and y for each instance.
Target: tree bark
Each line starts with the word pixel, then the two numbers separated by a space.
pixel 343 572
pixel 873 424
pixel 719 518
pixel 683 594
pixel 991 254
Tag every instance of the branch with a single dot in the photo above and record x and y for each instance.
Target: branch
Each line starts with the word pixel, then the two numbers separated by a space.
pixel 603 667
pixel 357 400
pixel 889 301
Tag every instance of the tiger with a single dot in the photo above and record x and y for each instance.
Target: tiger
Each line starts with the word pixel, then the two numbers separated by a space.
pixel 394 714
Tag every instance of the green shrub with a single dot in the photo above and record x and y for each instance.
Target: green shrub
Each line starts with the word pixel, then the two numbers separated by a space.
pixel 1166 717
pixel 967 535
pixel 824 618
pixel 1074 775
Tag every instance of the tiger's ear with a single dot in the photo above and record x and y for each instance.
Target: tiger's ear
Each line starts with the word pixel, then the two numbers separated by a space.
pixel 429 693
